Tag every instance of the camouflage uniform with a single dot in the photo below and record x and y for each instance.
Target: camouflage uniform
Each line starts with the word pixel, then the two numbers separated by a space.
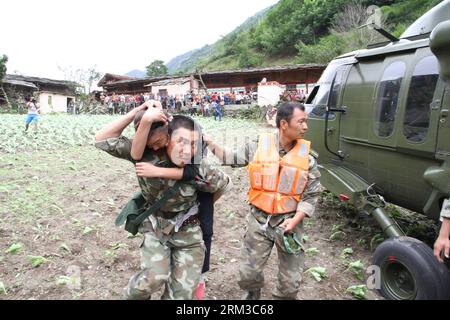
pixel 445 212
pixel 172 252
pixel 263 232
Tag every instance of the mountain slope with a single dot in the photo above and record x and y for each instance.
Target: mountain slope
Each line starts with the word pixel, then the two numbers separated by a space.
pixel 136 73
pixel 188 61
pixel 298 31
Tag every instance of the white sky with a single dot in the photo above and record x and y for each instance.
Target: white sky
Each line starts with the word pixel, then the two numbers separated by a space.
pixel 115 35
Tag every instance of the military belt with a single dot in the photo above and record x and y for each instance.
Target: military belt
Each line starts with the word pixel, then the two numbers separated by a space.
pixel 166 215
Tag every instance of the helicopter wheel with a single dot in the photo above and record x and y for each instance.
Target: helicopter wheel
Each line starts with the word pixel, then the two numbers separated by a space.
pixel 410 271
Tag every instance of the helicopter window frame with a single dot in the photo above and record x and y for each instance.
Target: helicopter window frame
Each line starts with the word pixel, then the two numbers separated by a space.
pixel 336 87
pixel 417 117
pixel 324 91
pixel 387 99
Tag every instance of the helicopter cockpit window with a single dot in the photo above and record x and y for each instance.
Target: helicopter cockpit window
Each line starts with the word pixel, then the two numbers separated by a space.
pixel 387 98
pixel 420 96
pixel 337 81
pixel 324 93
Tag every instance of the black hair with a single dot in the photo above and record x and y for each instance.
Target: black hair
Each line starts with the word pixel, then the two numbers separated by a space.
pixel 180 121
pixel 285 111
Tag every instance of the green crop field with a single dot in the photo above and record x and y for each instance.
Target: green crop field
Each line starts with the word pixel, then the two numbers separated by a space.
pixel 63 131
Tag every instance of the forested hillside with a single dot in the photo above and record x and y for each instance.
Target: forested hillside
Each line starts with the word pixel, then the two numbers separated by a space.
pixel 301 31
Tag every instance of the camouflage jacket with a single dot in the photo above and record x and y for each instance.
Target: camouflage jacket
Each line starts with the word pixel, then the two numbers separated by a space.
pixel 212 179
pixel 244 154
pixel 445 212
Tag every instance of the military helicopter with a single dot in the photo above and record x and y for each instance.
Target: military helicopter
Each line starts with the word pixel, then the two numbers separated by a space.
pixel 380 121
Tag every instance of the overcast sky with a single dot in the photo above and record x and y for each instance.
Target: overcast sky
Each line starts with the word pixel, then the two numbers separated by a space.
pixel 116 36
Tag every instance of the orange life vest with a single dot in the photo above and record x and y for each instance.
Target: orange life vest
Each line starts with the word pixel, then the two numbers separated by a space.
pixel 277 184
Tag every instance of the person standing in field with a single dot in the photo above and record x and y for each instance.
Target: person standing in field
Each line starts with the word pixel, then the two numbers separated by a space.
pixel 32 116
pixel 284 190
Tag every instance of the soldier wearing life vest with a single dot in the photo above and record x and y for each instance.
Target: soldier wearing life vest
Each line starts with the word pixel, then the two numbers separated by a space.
pixel 284 189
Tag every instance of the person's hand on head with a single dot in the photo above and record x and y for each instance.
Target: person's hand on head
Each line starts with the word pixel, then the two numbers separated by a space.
pixel 139 108
pixel 154 114
pixel 157 104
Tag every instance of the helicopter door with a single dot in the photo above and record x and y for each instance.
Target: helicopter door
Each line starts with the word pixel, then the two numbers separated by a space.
pixel 420 115
pixel 335 111
pixel 357 99
pixel 323 108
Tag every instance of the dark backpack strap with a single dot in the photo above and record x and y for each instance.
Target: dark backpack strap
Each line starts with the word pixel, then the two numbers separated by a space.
pixel 169 194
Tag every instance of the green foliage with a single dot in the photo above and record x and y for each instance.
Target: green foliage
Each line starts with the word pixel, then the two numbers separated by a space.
pixel 36 261
pixel 318 273
pixel 346 252
pixel 362 242
pixel 255 112
pixel 358 292
pixel 3 61
pixel 247 60
pixel 87 230
pixel 357 268
pixel 376 240
pixel 328 48
pixel 54 131
pixel 292 21
pixel 405 12
pixel 3 288
pixel 336 232
pixel 312 251
pixel 156 68
pixel 14 248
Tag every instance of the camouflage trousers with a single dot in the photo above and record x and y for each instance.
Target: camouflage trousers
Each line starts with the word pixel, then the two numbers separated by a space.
pixel 256 248
pixel 174 261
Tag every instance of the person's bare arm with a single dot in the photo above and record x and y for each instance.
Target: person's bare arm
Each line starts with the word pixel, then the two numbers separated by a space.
pixel 238 157
pixel 115 128
pixel 140 139
pixel 145 169
pixel 216 149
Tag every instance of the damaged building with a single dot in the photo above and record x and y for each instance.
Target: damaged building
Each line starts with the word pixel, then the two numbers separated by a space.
pixel 51 95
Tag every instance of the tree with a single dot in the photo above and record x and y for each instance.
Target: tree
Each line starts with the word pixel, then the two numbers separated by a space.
pixel 3 61
pixel 351 18
pixel 156 68
pixel 84 77
pixel 92 75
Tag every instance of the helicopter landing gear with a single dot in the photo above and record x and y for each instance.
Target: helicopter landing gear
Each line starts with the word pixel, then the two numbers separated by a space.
pixel 409 271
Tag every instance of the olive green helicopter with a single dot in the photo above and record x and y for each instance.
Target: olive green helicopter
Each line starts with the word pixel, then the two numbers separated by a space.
pixel 379 118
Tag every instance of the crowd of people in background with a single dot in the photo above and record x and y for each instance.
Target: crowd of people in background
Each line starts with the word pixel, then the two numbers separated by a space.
pixel 210 104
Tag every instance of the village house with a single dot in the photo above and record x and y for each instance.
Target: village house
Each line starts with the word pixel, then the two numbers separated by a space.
pixel 51 95
pixel 290 77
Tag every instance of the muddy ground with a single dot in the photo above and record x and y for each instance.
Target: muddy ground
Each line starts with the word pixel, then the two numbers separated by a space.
pixel 61 204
